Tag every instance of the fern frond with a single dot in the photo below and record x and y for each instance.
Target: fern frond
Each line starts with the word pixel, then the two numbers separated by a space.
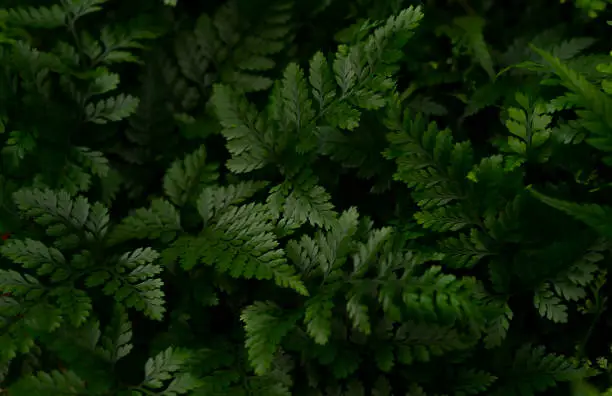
pixel 472 382
pixel 37 17
pixel 464 251
pixel 186 177
pixel 324 255
pixel 301 200
pixel 596 115
pixel 429 161
pixel 238 240
pixel 36 255
pixel 53 383
pixel 597 217
pixel 291 123
pixel 19 285
pixel 318 315
pixel 497 329
pixel 115 342
pixel 215 199
pixel 162 366
pixel 92 160
pixel 269 36
pixel 441 297
pixel 292 107
pixel 248 138
pixel 116 40
pixel 538 371
pixel 549 305
pixel 358 313
pixel 69 219
pixel 265 327
pixel 111 109
pixel 448 218
pixel 161 220
pixel 238 50
pixel 138 288
pixel 78 8
pixel 75 303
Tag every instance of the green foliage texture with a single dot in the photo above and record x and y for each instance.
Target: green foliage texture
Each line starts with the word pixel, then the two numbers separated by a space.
pixel 305 197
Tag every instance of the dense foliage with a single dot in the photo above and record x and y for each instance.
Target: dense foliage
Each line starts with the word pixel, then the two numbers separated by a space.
pixel 291 197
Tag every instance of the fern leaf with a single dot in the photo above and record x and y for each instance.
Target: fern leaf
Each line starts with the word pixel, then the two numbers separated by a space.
pixel 111 109
pixel 139 288
pixel 305 201
pixel 161 220
pixel 215 199
pixel 472 382
pixel 449 218
pixel 53 383
pixel 474 39
pixel 78 8
pixel 244 130
pixel 162 366
pixel 549 305
pixel 93 160
pixel 116 40
pixel 597 116
pixel 267 37
pixel 538 371
pixel 186 176
pixel 596 216
pixel 115 341
pixel 19 285
pixel 37 17
pixel 257 256
pixel 182 383
pixel 74 303
pixel 358 313
pixel 464 251
pixel 497 329
pixel 36 255
pixel 322 81
pixel 421 342
pixel 318 316
pixel 265 328
pixel 295 111
pixel 369 251
pixel 431 296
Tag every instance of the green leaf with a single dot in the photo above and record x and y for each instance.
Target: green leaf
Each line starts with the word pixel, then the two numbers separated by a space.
pixel 20 285
pixel 185 178
pixel 318 316
pixel 74 303
pixel 301 200
pixel 597 217
pixel 161 220
pixel 37 17
pixel 265 327
pixel 321 80
pixel 539 371
pixel 549 305
pixel 358 313
pixel 34 254
pixel 214 200
pixel 53 383
pixel 162 366
pixel 79 8
pixel 111 109
pixel 295 111
pixel 115 341
pixel 244 129
pixel 181 384
pixel 473 26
